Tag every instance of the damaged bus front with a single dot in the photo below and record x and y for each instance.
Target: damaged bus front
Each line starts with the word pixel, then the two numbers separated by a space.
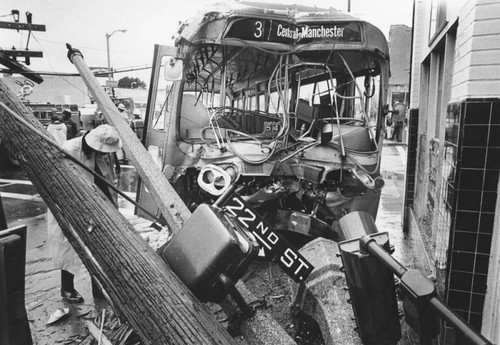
pixel 285 103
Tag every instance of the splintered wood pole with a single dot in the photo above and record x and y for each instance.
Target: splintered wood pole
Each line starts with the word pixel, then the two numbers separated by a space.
pixel 155 302
pixel 169 202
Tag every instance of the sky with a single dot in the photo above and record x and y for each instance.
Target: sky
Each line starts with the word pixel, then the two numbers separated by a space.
pixel 84 25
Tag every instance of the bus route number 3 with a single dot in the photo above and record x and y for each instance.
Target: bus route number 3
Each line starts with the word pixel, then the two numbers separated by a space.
pixel 259 29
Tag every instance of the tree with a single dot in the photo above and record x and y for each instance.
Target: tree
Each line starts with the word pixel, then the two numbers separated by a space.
pixel 131 83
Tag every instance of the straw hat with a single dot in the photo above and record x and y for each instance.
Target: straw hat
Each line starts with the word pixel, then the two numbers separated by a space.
pixel 104 138
pixel 121 107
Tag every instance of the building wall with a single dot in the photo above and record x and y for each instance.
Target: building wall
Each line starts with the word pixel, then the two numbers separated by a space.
pixel 477 60
pixel 399 51
pixel 453 205
pixel 419 34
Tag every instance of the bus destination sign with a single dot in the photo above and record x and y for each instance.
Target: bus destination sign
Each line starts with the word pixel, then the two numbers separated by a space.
pixel 268 30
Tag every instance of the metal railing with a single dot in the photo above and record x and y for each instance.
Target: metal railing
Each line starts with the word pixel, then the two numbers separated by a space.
pixel 420 288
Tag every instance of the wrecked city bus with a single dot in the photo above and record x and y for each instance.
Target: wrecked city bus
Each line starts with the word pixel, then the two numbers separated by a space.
pixel 285 103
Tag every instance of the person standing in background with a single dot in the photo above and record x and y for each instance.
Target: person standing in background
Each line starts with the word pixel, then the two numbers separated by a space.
pixel 120 156
pixel 57 129
pixel 63 255
pixel 398 119
pixel 123 112
pixel 137 125
pixel 72 128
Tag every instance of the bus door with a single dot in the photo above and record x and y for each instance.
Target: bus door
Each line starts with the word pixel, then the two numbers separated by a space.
pixel 159 111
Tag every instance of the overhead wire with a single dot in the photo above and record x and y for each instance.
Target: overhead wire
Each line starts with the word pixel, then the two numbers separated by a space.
pixel 76 87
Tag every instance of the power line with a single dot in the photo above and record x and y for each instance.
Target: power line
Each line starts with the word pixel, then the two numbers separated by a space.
pixel 91 48
pixel 67 74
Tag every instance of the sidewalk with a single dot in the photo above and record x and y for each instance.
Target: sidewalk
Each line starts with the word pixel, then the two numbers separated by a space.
pixel 390 212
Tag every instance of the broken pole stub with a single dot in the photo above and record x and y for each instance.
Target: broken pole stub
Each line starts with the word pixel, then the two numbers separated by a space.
pixel 324 295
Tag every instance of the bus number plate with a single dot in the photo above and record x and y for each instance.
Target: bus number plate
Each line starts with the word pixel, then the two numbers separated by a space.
pixel 273 246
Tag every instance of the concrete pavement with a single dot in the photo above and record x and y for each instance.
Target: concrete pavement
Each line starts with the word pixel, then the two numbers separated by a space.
pixel 390 212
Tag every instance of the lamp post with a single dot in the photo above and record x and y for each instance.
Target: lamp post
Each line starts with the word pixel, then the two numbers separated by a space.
pixel 110 74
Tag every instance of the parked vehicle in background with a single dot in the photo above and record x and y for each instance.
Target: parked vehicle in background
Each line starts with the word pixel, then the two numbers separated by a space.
pixel 44 111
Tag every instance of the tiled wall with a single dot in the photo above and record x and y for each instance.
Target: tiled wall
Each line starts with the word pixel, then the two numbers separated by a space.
pixel 472 160
pixel 411 164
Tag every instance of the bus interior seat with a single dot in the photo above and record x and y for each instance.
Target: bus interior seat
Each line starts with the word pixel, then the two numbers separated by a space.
pixel 325 108
pixel 304 111
pixel 354 137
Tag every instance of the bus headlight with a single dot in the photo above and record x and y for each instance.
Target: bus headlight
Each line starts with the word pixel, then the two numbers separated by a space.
pixel 364 178
pixel 215 179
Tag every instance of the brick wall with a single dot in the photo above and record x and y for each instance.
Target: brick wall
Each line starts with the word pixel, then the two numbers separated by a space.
pixel 477 57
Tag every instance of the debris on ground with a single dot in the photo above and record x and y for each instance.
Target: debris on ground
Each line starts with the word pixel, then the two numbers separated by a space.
pixel 59 314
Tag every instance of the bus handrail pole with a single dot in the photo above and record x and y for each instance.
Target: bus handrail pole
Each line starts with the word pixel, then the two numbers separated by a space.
pixel 369 245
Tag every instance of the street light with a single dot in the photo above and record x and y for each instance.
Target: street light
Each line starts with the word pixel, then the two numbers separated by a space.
pixel 110 75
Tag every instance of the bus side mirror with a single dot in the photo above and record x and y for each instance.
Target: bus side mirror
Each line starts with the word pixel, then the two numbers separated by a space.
pixel 173 69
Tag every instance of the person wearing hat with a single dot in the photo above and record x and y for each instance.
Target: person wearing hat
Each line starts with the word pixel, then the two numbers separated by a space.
pixel 93 150
pixel 123 112
pixel 72 128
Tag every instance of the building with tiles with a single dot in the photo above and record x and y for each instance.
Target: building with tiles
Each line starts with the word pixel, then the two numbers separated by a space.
pixel 452 208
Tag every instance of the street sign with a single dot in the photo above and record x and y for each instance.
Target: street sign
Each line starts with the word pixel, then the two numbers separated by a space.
pixel 274 247
pixel 111 83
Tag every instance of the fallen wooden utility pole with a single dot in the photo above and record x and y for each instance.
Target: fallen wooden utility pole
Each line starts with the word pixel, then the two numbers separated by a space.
pixel 260 329
pixel 155 302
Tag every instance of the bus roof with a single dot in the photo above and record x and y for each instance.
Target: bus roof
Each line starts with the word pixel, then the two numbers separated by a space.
pixel 284 27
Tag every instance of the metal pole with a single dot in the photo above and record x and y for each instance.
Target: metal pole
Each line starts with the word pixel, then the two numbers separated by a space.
pixel 110 72
pixel 109 59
